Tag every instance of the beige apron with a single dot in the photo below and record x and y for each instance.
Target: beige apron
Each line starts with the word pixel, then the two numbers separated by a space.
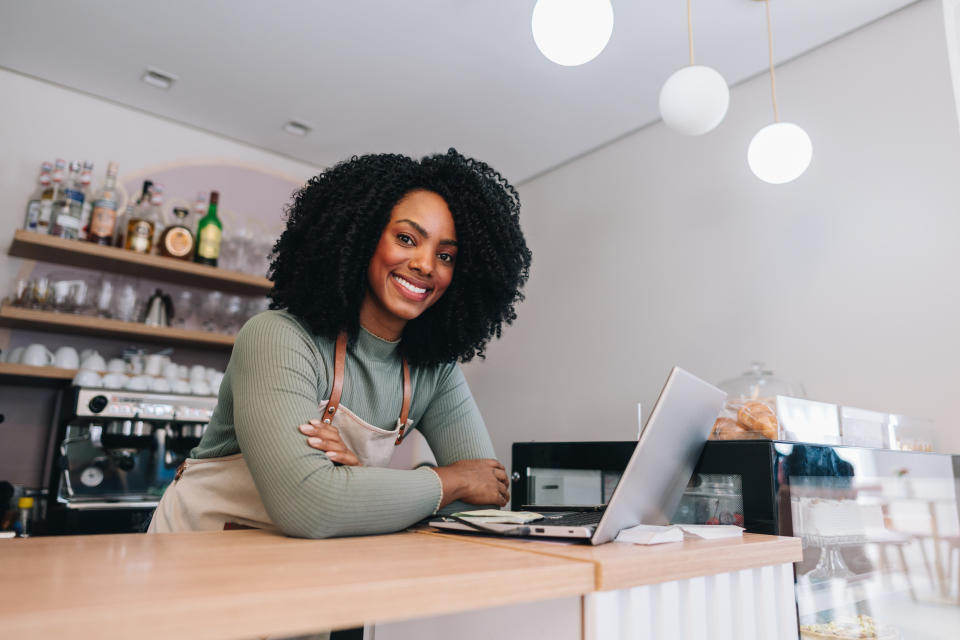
pixel 216 493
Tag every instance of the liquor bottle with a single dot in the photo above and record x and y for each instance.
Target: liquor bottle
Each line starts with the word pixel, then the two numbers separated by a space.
pixel 103 218
pixel 200 205
pixel 177 239
pixel 66 216
pixel 52 196
pixel 155 214
pixel 139 232
pixel 209 233
pixel 32 217
pixel 120 237
pixel 86 177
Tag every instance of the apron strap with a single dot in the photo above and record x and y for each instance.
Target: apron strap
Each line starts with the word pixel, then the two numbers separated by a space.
pixel 405 408
pixel 339 362
pixel 339 365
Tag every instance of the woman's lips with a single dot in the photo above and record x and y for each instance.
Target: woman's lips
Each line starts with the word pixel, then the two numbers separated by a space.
pixel 408 289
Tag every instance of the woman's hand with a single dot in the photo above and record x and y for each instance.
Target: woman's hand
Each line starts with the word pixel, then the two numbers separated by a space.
pixel 326 438
pixel 482 481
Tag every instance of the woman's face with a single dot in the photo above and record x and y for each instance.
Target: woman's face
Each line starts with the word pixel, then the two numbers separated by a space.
pixel 412 265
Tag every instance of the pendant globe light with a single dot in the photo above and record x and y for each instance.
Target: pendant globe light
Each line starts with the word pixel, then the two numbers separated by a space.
pixel 572 32
pixel 694 100
pixel 779 152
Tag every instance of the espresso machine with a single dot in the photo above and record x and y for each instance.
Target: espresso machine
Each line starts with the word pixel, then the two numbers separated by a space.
pixel 114 454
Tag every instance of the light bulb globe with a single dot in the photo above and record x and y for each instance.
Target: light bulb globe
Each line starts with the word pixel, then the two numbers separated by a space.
pixel 572 32
pixel 780 153
pixel 694 100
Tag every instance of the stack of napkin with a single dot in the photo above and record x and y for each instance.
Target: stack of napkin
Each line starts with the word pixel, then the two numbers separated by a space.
pixel 653 534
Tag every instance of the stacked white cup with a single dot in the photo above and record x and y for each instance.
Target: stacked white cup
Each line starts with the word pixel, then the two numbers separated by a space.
pixel 92 366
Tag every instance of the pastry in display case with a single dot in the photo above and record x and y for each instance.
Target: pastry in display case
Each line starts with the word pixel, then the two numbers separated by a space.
pixel 751 409
pixel 761 406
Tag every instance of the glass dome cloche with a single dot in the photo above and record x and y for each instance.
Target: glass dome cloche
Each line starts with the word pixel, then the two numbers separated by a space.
pixel 751 409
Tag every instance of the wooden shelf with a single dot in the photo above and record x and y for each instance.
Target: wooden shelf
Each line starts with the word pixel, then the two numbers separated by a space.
pixel 47 248
pixel 11 373
pixel 17 318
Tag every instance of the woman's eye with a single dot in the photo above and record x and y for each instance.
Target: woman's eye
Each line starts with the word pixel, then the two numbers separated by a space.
pixel 447 257
pixel 404 238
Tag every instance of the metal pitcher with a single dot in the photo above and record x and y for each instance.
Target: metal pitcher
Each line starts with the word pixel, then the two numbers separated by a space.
pixel 159 310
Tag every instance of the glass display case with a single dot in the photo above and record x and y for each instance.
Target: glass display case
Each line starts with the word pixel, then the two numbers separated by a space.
pixel 880 528
pixel 880 532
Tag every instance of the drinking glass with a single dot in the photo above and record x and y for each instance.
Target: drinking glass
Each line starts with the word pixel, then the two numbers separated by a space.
pixel 228 250
pixel 103 300
pixel 125 305
pixel 211 312
pixel 23 294
pixel 61 296
pixel 233 315
pixel 80 298
pixel 184 314
pixel 42 293
pixel 262 246
pixel 246 240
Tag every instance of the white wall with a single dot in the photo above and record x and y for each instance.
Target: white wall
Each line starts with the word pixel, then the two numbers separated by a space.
pixel 660 250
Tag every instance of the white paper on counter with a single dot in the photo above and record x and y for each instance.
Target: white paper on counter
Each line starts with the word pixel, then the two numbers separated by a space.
pixel 498 516
pixel 653 534
pixel 650 534
pixel 713 531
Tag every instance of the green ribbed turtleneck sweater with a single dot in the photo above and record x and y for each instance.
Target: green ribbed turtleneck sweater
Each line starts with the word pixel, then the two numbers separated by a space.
pixel 278 374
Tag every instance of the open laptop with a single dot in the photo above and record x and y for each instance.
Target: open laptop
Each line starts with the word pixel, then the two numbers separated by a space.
pixel 652 485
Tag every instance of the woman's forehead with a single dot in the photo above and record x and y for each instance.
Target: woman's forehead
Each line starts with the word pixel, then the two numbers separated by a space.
pixel 426 210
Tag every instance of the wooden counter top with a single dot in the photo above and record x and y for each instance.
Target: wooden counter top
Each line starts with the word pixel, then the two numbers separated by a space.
pixel 243 584
pixel 622 565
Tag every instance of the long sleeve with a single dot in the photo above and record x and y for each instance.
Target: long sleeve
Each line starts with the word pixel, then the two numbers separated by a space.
pixel 274 374
pixel 454 428
pixel 452 423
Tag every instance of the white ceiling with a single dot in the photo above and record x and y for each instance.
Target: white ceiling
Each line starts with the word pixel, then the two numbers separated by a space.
pixel 413 76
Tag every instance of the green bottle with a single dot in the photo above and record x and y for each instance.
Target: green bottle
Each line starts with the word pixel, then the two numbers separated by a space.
pixel 209 234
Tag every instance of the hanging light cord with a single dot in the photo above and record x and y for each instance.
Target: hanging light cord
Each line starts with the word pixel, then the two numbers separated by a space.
pixel 773 78
pixel 690 30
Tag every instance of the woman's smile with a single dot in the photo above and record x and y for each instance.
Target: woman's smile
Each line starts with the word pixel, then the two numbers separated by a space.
pixel 408 288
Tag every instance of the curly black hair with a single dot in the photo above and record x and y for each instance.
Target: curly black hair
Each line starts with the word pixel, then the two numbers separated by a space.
pixel 319 264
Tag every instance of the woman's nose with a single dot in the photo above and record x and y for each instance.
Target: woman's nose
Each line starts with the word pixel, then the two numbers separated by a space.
pixel 423 263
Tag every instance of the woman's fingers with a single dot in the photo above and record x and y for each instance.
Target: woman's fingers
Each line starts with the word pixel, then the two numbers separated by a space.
pixel 346 457
pixel 320 430
pixel 326 438
pixel 325 432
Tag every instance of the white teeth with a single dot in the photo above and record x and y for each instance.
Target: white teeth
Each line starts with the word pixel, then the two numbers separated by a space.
pixel 409 286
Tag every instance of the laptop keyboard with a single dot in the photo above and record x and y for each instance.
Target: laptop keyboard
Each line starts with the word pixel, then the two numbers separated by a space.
pixel 571 519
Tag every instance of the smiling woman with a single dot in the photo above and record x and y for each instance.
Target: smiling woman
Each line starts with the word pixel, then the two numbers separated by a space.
pixel 389 272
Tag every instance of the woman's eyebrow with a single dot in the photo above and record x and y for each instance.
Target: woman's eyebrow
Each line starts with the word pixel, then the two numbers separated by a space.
pixel 424 232
pixel 416 226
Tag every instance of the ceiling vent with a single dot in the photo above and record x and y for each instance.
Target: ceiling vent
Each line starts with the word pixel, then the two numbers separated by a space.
pixel 295 128
pixel 157 78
